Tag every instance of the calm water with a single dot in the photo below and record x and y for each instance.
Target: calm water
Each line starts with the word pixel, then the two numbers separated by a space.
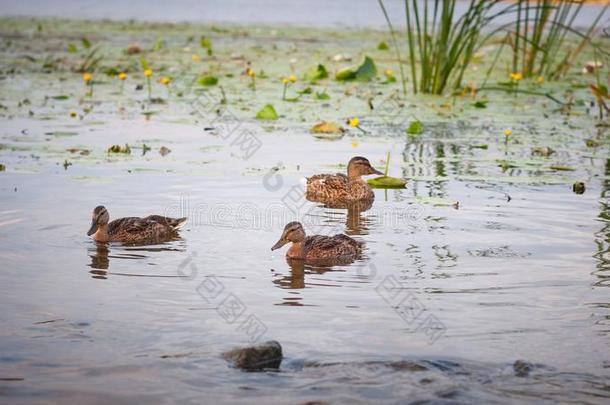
pixel 519 279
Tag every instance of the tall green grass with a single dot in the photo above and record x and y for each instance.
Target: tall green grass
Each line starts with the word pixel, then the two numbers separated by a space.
pixel 545 40
pixel 441 46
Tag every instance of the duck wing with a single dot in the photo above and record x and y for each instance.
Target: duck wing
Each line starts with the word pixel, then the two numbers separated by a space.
pixel 173 223
pixel 330 187
pixel 331 246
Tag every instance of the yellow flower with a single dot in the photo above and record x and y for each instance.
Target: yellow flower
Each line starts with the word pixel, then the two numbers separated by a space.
pixel 195 57
pixel 165 80
pixel 508 132
pixel 285 81
pixel 354 143
pixel 122 76
pixel 292 78
pixel 540 79
pixel 87 77
pixel 250 72
pixel 148 72
pixel 389 72
pixel 353 122
pixel 515 77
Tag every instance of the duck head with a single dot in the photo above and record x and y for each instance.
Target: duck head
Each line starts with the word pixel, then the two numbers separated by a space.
pixel 99 218
pixel 293 232
pixel 360 166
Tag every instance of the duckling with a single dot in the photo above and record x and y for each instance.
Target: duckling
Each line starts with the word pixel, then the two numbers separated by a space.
pixel 341 189
pixel 318 247
pixel 132 229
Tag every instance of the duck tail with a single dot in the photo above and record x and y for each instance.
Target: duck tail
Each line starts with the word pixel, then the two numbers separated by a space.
pixel 178 223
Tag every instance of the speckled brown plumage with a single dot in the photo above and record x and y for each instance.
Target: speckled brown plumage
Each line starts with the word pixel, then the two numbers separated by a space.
pixel 341 189
pixel 318 247
pixel 153 228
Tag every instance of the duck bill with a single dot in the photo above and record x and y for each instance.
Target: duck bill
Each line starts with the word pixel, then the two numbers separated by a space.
pixel 93 228
pixel 279 244
pixel 375 171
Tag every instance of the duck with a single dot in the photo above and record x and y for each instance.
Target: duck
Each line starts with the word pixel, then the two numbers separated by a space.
pixel 152 228
pixel 339 189
pixel 340 248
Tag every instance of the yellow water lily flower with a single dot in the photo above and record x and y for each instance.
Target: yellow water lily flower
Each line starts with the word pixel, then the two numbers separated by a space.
pixel 508 132
pixel 250 72
pixel 195 57
pixel 540 79
pixel 165 80
pixel 353 122
pixel 515 77
pixel 122 76
pixel 292 78
pixel 389 72
pixel 87 77
pixel 285 81
pixel 148 72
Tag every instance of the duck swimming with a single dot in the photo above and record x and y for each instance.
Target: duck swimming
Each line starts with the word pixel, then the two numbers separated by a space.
pixel 152 228
pixel 341 189
pixel 318 247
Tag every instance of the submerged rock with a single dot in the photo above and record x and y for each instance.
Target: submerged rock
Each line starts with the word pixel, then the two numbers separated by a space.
pixel 522 368
pixel 267 355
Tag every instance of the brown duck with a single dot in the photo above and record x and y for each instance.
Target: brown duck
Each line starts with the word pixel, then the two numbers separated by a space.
pixel 152 228
pixel 341 189
pixel 318 247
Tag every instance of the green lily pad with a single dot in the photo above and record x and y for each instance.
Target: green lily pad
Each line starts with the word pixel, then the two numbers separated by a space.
pixel 383 46
pixel 60 97
pixel 267 113
pixel 208 80
pixel 365 72
pixel 317 73
pixel 415 128
pixel 322 96
pixel 345 74
pixel 387 182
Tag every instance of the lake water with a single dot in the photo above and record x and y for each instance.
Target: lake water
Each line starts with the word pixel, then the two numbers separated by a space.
pixel 440 307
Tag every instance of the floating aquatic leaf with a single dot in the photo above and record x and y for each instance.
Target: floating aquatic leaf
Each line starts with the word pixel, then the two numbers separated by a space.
pixel 208 80
pixel 592 143
pixel 345 74
pixel 72 48
pixel 267 113
pixel 164 150
pixel 438 201
pixel 482 146
pixel 119 149
pixel 387 182
pixel 317 73
pixel 367 70
pixel 86 43
pixel 383 46
pixel 562 168
pixel 326 127
pixel 480 104
pixel 542 151
pixel 415 128
pixel 61 133
pixel 322 96
pixel 60 97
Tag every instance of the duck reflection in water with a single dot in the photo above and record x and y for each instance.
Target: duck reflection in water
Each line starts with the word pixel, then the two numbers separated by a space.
pixel 100 255
pixel 298 269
